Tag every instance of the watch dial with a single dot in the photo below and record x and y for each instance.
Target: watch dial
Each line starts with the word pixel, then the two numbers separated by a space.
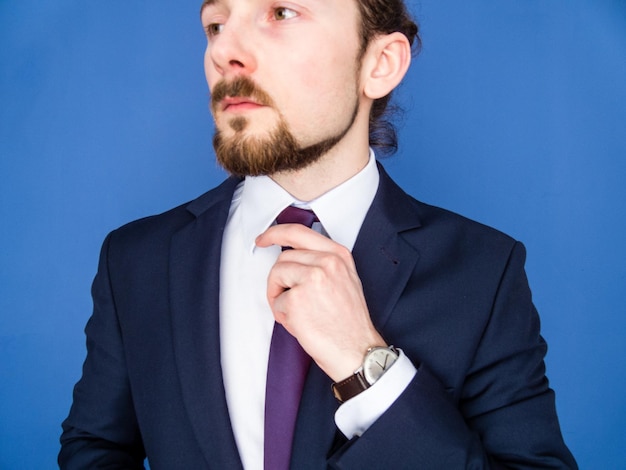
pixel 377 362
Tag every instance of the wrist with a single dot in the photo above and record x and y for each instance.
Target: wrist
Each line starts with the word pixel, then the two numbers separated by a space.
pixel 346 362
pixel 376 362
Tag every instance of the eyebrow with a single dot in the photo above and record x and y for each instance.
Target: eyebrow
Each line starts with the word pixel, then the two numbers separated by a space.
pixel 207 3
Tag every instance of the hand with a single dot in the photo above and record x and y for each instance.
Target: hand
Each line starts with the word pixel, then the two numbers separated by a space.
pixel 315 292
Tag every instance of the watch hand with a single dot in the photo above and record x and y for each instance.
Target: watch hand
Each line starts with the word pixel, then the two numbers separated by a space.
pixel 382 366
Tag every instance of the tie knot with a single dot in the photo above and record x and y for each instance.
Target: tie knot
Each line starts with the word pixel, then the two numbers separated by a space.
pixel 295 215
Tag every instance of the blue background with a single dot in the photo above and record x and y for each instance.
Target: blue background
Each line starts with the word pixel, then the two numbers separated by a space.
pixel 515 116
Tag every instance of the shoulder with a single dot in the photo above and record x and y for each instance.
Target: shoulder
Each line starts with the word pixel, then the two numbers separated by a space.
pixel 448 245
pixel 458 228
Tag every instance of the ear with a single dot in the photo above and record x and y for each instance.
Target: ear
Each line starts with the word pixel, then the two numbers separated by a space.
pixel 385 64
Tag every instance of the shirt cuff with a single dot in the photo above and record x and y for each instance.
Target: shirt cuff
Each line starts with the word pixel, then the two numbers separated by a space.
pixel 356 415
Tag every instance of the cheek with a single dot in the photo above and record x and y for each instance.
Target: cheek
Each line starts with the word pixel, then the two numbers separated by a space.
pixel 317 80
pixel 330 72
pixel 320 87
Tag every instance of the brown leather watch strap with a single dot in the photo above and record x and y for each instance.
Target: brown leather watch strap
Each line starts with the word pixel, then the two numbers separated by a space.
pixel 350 387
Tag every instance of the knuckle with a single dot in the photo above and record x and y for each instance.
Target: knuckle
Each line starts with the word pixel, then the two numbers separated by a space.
pixel 317 275
pixel 343 252
pixel 333 264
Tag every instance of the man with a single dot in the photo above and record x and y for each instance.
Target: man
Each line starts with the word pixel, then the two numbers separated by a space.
pixel 187 304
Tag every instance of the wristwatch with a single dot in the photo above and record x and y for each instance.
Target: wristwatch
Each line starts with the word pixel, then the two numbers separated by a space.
pixel 377 361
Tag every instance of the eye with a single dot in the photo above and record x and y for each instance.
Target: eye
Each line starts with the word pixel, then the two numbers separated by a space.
pixel 213 29
pixel 283 13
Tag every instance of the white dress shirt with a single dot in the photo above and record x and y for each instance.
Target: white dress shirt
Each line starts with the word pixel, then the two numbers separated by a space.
pixel 246 321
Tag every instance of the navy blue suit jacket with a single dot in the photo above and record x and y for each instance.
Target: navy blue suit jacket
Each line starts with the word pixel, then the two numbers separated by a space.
pixel 450 292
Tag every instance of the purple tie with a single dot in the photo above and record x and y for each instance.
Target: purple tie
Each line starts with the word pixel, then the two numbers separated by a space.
pixel 286 371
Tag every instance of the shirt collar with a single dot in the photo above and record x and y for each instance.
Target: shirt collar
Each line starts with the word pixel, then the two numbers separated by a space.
pixel 341 210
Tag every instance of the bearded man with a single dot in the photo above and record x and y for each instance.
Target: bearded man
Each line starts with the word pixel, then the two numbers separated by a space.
pixel 307 313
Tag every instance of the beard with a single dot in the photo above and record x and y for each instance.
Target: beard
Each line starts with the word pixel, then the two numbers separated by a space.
pixel 278 151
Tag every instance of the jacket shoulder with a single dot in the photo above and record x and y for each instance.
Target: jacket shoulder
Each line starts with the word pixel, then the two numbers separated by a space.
pixel 455 224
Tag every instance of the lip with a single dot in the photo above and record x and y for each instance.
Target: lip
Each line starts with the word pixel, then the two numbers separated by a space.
pixel 234 104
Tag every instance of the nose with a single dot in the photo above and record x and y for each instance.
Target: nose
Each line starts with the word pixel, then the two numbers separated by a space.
pixel 230 52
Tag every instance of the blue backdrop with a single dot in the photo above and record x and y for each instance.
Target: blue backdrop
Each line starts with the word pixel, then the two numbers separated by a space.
pixel 515 116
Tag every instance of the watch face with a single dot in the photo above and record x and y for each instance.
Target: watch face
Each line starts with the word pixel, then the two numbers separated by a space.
pixel 377 361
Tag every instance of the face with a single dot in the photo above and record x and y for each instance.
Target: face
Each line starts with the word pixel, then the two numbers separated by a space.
pixel 284 80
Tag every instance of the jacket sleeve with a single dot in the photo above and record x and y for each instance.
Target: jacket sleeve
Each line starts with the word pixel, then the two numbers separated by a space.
pixel 505 417
pixel 101 430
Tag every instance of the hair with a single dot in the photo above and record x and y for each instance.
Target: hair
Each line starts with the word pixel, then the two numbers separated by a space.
pixel 379 17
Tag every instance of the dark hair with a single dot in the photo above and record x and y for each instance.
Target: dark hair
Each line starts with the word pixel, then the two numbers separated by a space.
pixel 380 17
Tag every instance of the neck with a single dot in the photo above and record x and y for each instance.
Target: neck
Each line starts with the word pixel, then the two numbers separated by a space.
pixel 339 164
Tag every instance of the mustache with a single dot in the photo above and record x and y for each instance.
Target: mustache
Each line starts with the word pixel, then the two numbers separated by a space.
pixel 239 87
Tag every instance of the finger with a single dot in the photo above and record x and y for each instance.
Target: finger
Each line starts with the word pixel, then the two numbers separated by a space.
pixel 281 301
pixel 328 266
pixel 303 256
pixel 280 307
pixel 298 237
pixel 283 276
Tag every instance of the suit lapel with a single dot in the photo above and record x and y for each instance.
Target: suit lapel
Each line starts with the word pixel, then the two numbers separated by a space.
pixel 384 261
pixel 194 296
